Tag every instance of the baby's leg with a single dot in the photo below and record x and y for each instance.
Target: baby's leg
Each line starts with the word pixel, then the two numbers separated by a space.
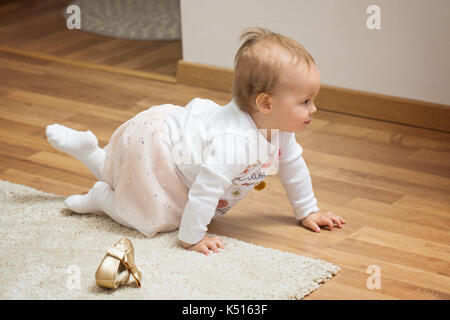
pixel 99 199
pixel 83 145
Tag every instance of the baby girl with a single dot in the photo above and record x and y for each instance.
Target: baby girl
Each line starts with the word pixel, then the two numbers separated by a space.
pixel 172 167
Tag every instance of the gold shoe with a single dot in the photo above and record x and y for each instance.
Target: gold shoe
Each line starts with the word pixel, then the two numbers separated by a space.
pixel 116 266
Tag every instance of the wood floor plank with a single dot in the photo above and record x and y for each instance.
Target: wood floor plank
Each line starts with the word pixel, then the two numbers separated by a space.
pixel 356 190
pixel 60 161
pixel 407 215
pixel 424 205
pixel 10 7
pixel 426 281
pixel 41 183
pixel 354 282
pixel 382 153
pixel 283 227
pixel 76 91
pixel 357 217
pixel 378 175
pixel 40 27
pixel 432 157
pixel 402 242
pixel 68 106
pixel 95 54
pixel 17 126
pixel 7 148
pixel 22 67
pixel 274 190
pixel 403 257
pixel 74 46
pixel 26 12
pixel 25 140
pixel 54 39
pixel 10 57
pixel 338 291
pixel 31 113
pixel 129 53
pixel 27 166
pixel 390 134
pixel 391 287
pixel 151 54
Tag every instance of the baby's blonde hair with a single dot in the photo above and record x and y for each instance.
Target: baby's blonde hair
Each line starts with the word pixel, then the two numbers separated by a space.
pixel 258 62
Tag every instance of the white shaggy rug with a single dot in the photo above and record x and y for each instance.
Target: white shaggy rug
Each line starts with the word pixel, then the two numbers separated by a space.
pixel 50 252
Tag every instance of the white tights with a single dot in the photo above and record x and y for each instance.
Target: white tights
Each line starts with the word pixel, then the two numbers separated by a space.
pixel 83 145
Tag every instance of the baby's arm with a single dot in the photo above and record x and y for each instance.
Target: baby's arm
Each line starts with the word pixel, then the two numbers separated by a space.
pixel 204 194
pixel 295 177
pixel 203 198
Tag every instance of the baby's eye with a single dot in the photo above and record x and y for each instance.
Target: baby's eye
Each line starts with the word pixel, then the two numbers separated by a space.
pixel 305 102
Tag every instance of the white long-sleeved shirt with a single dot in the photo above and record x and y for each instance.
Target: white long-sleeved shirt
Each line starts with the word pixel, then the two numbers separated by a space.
pixel 220 154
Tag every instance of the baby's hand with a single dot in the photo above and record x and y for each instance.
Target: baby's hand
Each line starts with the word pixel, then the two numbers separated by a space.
pixel 317 219
pixel 206 244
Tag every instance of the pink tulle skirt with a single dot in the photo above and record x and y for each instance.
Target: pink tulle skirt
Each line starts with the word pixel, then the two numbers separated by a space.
pixel 149 193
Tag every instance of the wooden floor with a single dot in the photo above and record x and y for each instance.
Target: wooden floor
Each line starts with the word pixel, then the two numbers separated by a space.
pixel 390 182
pixel 38 26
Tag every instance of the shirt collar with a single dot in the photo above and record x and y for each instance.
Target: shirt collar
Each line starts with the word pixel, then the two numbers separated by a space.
pixel 266 149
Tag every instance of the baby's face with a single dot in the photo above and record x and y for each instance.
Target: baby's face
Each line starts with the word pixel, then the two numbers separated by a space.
pixel 293 101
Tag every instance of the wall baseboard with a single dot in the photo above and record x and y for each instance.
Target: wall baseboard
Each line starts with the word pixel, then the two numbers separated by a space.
pixel 205 76
pixel 359 103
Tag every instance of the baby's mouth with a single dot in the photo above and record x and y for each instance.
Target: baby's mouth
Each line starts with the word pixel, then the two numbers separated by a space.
pixel 308 122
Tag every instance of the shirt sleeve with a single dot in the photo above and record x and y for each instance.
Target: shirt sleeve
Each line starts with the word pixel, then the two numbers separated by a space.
pixel 223 162
pixel 295 177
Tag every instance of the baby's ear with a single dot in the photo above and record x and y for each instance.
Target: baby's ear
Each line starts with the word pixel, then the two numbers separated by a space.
pixel 264 103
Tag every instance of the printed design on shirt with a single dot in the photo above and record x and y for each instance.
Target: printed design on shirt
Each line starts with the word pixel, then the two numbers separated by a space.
pixel 236 192
pixel 255 176
pixel 267 164
pixel 222 203
pixel 221 211
pixel 245 182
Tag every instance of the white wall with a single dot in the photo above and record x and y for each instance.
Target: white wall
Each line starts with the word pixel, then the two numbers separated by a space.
pixel 408 57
